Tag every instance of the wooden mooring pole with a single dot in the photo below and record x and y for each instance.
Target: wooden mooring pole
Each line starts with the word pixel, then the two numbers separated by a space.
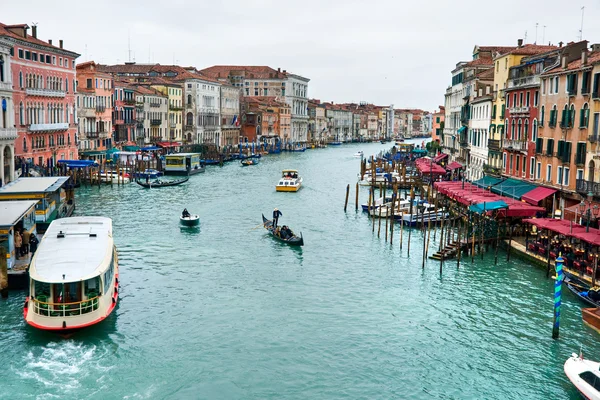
pixel 347 194
pixel 356 201
pixel 3 273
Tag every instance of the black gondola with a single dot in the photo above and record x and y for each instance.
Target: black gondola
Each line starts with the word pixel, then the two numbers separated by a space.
pixel 293 240
pixel 584 294
pixel 158 183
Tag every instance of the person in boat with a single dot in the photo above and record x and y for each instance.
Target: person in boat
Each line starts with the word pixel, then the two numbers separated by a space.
pixel 185 213
pixel 276 215
pixel 33 243
pixel 594 294
pixel 286 233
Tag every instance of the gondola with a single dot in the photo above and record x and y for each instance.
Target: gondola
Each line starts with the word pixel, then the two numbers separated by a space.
pixel 293 241
pixel 249 161
pixel 582 293
pixel 158 183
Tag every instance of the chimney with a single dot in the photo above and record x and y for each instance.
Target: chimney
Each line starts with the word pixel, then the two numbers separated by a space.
pixel 520 43
pixel 50 42
pixel 278 69
pixel 584 57
pixel 596 47
pixel 564 62
pixel 560 44
pixel 60 43
pixel 34 31
pixel 284 71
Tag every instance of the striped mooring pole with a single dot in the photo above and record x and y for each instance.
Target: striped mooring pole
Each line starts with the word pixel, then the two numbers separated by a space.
pixel 557 294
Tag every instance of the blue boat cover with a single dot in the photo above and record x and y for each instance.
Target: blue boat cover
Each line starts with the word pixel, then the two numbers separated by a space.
pixel 150 148
pixel 78 163
pixel 480 208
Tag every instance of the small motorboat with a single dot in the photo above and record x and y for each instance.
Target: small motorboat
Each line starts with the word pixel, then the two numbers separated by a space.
pixel 378 202
pixel 249 161
pixel 290 181
pixel 584 375
pixel 158 183
pixel 291 239
pixel 359 154
pixel 190 220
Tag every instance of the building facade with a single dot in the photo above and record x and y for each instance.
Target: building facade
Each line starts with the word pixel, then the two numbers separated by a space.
pixel 230 115
pixel 8 132
pixel 155 113
pixel 43 77
pixel 174 93
pixel 202 110
pixel 437 125
pixel 94 108
pixel 479 124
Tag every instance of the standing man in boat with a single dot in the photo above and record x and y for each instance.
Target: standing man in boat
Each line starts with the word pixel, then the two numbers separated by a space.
pixel 276 215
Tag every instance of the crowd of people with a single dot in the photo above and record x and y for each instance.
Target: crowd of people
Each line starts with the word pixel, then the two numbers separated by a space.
pixel 25 243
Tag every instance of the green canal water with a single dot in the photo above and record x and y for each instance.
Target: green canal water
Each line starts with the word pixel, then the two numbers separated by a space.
pixel 225 312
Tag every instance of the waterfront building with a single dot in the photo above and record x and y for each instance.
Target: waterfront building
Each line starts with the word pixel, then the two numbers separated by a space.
pixel 265 120
pixel 339 122
pixel 356 126
pixel 437 125
pixel 43 77
pixel 262 81
pixel 155 110
pixel 202 109
pixel 502 82
pixel 590 183
pixel 124 114
pixel 561 145
pixel 317 121
pixel 94 110
pixel 174 93
pixel 479 124
pixel 8 132
pixel 230 115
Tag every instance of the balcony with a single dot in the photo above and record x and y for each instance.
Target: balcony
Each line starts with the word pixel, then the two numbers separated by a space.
pixel 488 169
pixel 45 92
pixel 493 145
pixel 584 187
pixel 129 102
pixel 8 133
pixel 92 135
pixel 593 138
pixel 172 125
pixel 515 145
pixel 140 118
pixel 100 109
pixel 519 111
pixel 461 160
pixel 189 127
pixel 464 143
pixel 533 80
pixel 155 105
pixel 87 112
pixel 155 121
pixel 175 108
pixel 62 126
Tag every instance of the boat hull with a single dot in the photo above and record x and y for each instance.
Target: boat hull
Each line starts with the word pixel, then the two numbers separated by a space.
pixel 287 188
pixel 151 185
pixel 186 173
pixel 193 220
pixel 574 367
pixel 293 241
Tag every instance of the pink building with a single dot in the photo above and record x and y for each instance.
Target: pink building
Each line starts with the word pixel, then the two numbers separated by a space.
pixel 43 96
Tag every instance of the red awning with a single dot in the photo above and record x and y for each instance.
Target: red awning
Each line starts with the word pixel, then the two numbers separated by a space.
pixel 454 165
pixel 538 194
pixel 168 144
pixel 440 157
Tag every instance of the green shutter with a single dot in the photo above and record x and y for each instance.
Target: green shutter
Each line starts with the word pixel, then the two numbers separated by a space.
pixel 503 111
pixel 581 118
pixel 560 148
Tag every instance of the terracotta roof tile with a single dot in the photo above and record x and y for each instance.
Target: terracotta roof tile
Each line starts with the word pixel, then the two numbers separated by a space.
pixel 247 71
pixel 532 49
pixel 593 58
pixel 480 61
pixel 29 38
pixel 486 74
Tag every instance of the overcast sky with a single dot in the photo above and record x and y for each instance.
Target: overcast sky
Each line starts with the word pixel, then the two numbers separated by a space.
pixel 379 51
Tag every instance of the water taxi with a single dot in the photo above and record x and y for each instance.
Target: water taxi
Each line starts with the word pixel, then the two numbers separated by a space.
pixel 73 276
pixel 290 181
pixel 585 375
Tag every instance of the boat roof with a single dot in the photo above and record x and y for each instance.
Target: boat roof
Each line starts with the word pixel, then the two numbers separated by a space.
pixel 182 155
pixel 81 252
pixel 34 185
pixel 11 212
pixel 289 170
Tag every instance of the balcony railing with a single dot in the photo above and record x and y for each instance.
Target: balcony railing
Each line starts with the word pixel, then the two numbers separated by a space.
pixel 525 81
pixel 45 92
pixel 593 138
pixel 155 121
pixel 493 145
pixel 189 127
pixel 87 112
pixel 586 187
pixel 100 109
pixel 129 102
pixel 155 105
pixel 172 125
pixel 464 143
pixel 515 145
pixel 519 111
pixel 92 135
pixel 175 108
pixel 8 133
pixel 62 126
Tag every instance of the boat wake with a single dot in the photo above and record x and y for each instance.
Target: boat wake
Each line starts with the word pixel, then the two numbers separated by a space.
pixel 61 367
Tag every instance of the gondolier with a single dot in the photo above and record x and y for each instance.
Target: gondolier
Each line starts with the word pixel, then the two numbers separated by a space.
pixel 276 215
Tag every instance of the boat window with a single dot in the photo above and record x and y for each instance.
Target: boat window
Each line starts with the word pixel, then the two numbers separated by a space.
pixel 72 292
pixel 280 182
pixel 91 287
pixel 108 275
pixel 42 291
pixel 591 379
pixel 286 183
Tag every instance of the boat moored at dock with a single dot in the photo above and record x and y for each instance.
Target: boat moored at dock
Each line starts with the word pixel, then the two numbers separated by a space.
pixel 183 164
pixel 423 213
pixel 74 275
pixel 290 181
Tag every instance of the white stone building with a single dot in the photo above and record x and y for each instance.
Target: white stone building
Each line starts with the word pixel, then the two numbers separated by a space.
pixel 202 110
pixel 479 124
pixel 296 96
pixel 8 132
pixel 453 104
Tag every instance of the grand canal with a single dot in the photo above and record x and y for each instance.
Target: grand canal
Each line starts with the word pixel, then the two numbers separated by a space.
pixel 225 312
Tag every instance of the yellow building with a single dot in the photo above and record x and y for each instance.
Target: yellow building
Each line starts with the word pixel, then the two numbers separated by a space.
pixel 175 118
pixel 502 64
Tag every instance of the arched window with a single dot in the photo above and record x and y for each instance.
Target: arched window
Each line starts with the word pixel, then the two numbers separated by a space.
pixel 21 79
pixel 526 130
pixel 189 119
pixel 584 116
pixel 591 171
pixel 542 112
pixel 189 99
pixel 534 130
pixel 519 130
pixel 572 116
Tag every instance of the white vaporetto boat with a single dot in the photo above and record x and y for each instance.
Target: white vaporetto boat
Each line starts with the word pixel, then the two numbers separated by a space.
pixel 74 275
pixel 585 375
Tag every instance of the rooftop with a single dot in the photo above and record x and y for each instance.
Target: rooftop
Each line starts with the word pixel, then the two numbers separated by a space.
pixel 11 212
pixel 34 185
pixel 247 71
pixel 9 31
pixel 593 58
pixel 82 253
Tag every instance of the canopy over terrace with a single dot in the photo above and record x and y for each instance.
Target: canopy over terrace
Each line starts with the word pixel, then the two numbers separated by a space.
pixel 454 165
pixel 513 188
pixel 440 157
pixel 567 228
pixel 468 194
pixel 427 166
